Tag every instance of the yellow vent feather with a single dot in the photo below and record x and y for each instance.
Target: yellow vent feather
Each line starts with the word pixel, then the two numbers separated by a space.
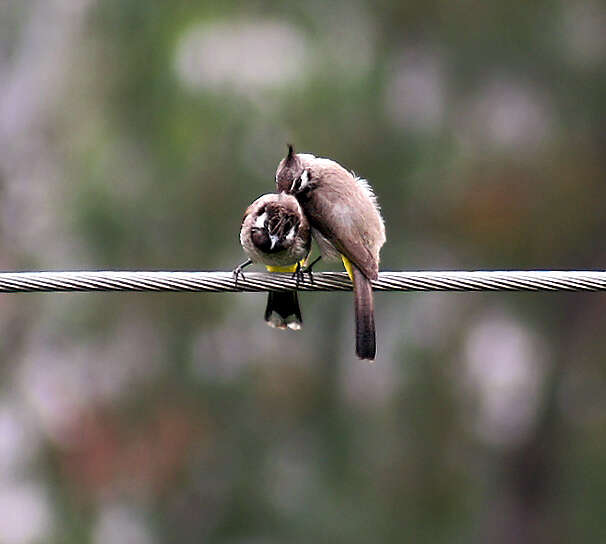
pixel 347 265
pixel 285 269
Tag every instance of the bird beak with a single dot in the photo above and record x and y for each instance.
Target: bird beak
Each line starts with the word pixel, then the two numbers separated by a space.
pixel 274 240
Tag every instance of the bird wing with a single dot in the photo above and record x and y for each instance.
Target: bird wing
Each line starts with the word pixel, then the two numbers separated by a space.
pixel 330 214
pixel 359 255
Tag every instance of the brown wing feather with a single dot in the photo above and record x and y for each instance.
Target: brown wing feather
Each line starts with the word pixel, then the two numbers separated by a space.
pixel 359 255
pixel 348 240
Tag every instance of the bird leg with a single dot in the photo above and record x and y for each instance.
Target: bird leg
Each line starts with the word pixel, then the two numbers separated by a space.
pixel 307 269
pixel 298 274
pixel 238 270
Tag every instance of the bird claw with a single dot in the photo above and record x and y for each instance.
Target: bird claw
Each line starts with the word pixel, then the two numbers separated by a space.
pixel 298 275
pixel 239 271
pixel 309 270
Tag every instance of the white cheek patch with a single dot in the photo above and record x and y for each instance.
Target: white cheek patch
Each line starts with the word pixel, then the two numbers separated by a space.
pixel 304 180
pixel 299 184
pixel 290 235
pixel 260 221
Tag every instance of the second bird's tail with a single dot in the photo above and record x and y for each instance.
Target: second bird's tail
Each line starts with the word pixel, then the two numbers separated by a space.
pixel 282 310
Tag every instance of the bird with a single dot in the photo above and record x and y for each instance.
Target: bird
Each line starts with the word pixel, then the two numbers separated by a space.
pixel 276 233
pixel 346 221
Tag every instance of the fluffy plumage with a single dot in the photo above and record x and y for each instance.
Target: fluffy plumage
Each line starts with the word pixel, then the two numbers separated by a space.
pixel 276 233
pixel 345 218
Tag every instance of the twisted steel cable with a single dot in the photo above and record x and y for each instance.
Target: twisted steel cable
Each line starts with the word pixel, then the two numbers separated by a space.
pixel 532 280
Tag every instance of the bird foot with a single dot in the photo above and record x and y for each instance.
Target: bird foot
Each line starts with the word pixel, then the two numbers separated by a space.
pixel 238 271
pixel 308 269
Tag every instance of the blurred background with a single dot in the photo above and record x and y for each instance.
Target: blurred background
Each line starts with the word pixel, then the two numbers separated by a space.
pixel 133 134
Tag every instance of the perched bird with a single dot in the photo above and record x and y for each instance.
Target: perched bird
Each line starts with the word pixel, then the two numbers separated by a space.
pixel 345 219
pixel 276 233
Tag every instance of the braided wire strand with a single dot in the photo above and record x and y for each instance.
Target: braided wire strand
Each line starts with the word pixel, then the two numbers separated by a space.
pixel 107 280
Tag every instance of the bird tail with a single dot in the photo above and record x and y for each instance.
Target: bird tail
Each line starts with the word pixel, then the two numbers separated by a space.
pixel 282 310
pixel 364 308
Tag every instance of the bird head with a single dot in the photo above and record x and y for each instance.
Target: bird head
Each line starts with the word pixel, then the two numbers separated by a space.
pixel 292 176
pixel 275 227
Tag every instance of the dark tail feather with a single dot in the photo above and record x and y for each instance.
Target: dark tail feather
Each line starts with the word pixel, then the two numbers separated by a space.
pixel 283 310
pixel 365 316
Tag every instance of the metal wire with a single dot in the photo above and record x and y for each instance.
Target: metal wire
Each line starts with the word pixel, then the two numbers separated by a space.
pixel 532 280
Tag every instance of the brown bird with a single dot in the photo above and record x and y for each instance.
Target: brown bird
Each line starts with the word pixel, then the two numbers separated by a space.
pixel 275 232
pixel 345 219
